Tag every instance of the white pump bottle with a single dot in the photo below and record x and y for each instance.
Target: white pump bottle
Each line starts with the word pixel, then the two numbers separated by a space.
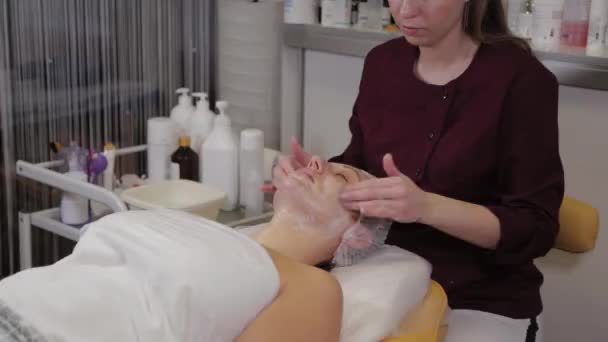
pixel 181 114
pixel 220 168
pixel 201 123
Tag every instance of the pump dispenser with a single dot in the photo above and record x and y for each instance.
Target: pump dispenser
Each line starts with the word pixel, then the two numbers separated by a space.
pixel 201 123
pixel 220 158
pixel 182 112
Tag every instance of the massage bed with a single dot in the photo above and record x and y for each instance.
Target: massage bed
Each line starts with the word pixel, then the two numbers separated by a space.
pixel 423 323
pixel 157 266
pixel 427 322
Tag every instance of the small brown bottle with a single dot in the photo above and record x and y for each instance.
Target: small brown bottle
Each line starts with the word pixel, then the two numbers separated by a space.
pixel 187 160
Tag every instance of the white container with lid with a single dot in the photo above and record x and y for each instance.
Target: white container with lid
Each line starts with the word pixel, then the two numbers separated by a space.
pixel 161 141
pixel 220 168
pixel 251 175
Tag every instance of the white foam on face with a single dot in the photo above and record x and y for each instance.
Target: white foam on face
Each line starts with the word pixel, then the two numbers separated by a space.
pixel 309 212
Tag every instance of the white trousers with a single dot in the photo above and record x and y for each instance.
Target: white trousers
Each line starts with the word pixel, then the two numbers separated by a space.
pixel 478 326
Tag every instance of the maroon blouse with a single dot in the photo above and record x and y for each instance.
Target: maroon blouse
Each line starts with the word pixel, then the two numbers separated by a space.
pixel 488 137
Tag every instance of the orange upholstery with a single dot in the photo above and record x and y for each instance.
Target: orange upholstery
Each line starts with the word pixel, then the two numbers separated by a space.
pixel 579 226
pixel 426 322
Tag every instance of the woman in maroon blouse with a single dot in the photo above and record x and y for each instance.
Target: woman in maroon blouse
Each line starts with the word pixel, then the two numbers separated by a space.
pixel 460 121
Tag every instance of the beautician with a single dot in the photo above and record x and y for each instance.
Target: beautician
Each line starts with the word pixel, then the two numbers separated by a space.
pixel 459 119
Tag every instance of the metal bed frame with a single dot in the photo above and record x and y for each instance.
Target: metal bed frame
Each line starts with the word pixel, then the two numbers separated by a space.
pixel 50 221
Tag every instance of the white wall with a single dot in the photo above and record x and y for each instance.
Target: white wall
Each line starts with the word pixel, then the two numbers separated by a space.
pixel 576 288
pixel 576 294
pixel 331 84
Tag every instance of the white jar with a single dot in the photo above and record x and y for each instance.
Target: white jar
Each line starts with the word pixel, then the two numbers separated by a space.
pixel 74 209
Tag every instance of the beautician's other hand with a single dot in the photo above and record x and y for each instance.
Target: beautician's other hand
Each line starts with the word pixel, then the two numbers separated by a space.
pixel 287 164
pixel 395 197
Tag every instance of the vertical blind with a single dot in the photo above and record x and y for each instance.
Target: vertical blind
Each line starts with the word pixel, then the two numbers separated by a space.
pixel 91 72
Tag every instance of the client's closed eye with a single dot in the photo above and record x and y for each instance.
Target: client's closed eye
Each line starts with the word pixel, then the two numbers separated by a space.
pixel 343 177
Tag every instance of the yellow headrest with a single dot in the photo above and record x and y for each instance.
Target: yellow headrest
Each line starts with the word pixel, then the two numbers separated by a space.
pixel 579 225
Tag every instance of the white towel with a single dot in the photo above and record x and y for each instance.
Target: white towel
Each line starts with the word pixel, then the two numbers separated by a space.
pixel 148 276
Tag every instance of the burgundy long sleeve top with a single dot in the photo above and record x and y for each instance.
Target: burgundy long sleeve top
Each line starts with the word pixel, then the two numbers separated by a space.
pixel 488 137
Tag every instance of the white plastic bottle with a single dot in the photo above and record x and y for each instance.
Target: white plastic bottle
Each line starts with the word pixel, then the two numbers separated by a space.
pixel 251 175
pixel 162 141
pixel 370 15
pixel 300 11
pixel 546 23
pixel 183 111
pixel 363 15
pixel 597 40
pixel 74 209
pixel 221 161
pixel 514 9
pixel 386 14
pixel 201 122
pixel 342 12
pixel 336 12
pixel 575 23
pixel 328 8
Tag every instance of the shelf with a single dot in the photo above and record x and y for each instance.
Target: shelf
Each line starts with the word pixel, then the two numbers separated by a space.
pixel 50 220
pixel 572 67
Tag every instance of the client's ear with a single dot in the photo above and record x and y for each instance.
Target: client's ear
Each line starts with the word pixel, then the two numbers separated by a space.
pixel 358 236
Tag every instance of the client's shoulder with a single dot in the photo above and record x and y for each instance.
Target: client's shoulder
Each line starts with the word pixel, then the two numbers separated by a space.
pixel 302 278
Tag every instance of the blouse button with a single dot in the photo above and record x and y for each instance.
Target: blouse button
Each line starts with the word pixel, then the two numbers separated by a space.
pixel 444 97
pixel 431 136
pixel 418 173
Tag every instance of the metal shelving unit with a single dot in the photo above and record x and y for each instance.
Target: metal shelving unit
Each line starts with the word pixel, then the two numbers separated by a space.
pixel 50 219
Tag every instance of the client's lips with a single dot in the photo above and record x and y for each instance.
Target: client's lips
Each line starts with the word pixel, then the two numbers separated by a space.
pixel 410 30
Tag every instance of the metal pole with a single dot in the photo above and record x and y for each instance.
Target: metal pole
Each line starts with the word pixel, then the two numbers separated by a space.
pixel 25 241
pixel 211 49
pixel 6 122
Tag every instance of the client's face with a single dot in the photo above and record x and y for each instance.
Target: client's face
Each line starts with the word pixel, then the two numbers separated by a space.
pixel 310 196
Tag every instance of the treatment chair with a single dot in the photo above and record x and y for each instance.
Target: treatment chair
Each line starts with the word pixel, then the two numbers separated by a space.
pixel 579 226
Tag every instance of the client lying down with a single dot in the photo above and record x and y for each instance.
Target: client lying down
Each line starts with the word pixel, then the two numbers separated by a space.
pixel 169 276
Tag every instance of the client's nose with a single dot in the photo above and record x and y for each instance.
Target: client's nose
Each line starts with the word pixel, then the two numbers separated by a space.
pixel 316 164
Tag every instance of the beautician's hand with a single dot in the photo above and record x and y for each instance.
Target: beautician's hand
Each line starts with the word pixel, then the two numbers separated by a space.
pixel 395 197
pixel 287 164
